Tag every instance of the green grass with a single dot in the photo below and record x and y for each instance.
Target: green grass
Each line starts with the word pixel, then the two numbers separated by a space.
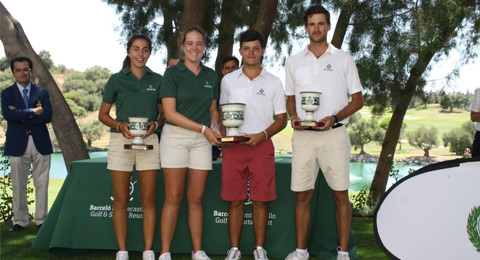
pixel 433 115
pixel 366 244
pixel 18 245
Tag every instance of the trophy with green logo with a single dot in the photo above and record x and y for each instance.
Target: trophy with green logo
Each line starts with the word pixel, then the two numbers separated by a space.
pixel 232 118
pixel 310 103
pixel 138 127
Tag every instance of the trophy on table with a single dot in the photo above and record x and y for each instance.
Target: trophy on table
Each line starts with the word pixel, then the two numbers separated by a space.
pixel 310 103
pixel 232 118
pixel 138 127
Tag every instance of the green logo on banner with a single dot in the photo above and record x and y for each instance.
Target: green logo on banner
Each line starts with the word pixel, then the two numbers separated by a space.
pixel 473 227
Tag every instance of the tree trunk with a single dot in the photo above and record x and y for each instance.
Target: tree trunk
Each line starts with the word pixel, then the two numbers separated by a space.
pixel 387 153
pixel 168 32
pixel 379 183
pixel 342 23
pixel 226 32
pixel 266 14
pixel 65 127
pixel 426 153
pixel 362 151
pixel 193 14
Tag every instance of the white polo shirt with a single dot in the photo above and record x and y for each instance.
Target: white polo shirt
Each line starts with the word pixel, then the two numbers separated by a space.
pixel 264 97
pixel 334 74
pixel 475 106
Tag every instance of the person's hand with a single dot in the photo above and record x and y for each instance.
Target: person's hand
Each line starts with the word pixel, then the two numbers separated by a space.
pixel 329 122
pixel 255 139
pixel 12 107
pixel 211 136
pixel 151 128
pixel 124 129
pixel 217 132
pixel 38 110
pixel 296 119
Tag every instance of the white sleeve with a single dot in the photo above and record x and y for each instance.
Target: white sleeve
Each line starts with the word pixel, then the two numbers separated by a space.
pixel 289 79
pixel 279 105
pixel 475 105
pixel 223 92
pixel 351 75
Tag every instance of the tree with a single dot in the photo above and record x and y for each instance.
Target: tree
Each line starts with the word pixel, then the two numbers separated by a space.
pixel 89 85
pixel 363 131
pixel 97 74
pixel 92 131
pixel 450 101
pixel 384 125
pixel 446 103
pixel 460 138
pixel 393 43
pixel 275 20
pixel 4 64
pixel 77 110
pixel 423 138
pixel 66 129
pixel 6 79
pixel 46 58
pixel 75 97
pixel 458 100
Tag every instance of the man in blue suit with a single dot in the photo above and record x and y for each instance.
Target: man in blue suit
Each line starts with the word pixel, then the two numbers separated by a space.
pixel 27 109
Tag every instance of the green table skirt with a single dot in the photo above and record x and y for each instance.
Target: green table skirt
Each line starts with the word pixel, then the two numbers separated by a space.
pixel 81 216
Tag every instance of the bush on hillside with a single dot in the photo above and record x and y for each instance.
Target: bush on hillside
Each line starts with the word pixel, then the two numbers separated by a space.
pixel 460 138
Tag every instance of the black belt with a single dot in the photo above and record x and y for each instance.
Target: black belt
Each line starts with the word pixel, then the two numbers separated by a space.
pixel 317 130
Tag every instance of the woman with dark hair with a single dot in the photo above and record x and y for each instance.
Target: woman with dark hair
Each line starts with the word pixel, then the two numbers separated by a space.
pixel 189 95
pixel 134 90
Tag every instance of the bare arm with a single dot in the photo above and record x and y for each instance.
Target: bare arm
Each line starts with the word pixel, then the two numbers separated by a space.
pixel 352 107
pixel 214 121
pixel 171 114
pixel 106 119
pixel 292 111
pixel 277 126
pixel 475 116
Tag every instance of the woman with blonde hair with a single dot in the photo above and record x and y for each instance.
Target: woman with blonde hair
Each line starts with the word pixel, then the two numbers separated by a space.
pixel 189 95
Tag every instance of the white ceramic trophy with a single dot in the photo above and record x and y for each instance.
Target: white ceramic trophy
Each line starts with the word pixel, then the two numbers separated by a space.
pixel 138 127
pixel 310 103
pixel 232 118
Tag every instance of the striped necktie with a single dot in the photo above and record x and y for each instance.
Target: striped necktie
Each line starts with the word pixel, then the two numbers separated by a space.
pixel 25 97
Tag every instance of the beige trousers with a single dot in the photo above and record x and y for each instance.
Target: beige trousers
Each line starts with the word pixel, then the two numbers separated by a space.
pixel 20 165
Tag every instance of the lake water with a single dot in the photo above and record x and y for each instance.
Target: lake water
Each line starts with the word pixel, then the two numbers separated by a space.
pixel 360 173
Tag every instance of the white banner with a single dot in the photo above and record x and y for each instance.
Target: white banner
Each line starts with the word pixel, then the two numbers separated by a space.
pixel 433 213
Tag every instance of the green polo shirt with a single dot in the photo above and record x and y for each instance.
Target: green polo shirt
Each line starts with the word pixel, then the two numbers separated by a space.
pixel 193 93
pixel 133 97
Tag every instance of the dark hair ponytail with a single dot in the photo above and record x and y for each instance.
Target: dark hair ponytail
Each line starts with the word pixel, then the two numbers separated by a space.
pixel 126 62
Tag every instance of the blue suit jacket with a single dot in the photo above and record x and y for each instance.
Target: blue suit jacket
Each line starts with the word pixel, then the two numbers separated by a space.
pixel 21 123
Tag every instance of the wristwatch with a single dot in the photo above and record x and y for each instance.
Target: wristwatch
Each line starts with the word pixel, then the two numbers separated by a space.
pixel 336 119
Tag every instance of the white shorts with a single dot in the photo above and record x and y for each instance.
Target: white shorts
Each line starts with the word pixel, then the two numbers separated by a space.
pixel 121 159
pixel 325 150
pixel 183 148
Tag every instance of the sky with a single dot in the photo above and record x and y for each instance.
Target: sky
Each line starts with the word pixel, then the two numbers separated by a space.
pixel 83 33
